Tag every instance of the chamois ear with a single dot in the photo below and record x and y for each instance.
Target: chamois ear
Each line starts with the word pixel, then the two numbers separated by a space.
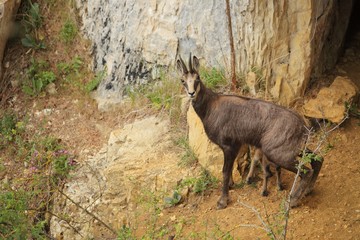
pixel 196 64
pixel 181 67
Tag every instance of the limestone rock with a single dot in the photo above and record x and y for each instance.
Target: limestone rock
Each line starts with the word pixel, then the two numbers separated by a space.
pixel 133 39
pixel 209 154
pixel 251 82
pixel 138 157
pixel 330 101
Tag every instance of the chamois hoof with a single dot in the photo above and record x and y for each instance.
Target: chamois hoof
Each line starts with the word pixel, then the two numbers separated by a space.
pixel 264 193
pixel 308 191
pixel 249 181
pixel 294 203
pixel 231 184
pixel 221 204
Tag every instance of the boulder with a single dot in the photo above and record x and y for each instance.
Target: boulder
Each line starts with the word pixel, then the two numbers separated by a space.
pixel 139 157
pixel 330 102
pixel 209 154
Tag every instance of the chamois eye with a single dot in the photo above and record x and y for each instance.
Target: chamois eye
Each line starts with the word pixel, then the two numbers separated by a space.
pixel 182 80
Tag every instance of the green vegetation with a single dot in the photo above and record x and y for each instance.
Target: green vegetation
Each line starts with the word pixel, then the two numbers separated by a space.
pixel 260 80
pixel 188 157
pixel 38 77
pixel 68 32
pixel 73 73
pixel 24 202
pixel 213 78
pixel 14 220
pixel 67 68
pixel 31 22
pixel 200 184
pixel 353 109
pixel 162 95
pixel 173 200
pixel 94 83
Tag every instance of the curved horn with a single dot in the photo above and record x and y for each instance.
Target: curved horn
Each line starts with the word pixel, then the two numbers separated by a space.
pixel 181 65
pixel 190 64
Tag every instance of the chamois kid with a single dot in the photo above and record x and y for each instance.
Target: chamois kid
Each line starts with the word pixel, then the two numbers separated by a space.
pixel 231 121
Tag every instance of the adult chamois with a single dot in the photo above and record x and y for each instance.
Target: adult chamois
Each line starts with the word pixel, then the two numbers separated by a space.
pixel 230 121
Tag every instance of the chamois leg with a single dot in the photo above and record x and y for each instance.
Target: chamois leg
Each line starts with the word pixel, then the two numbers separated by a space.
pixel 278 178
pixel 257 156
pixel 316 166
pixel 231 180
pixel 267 174
pixel 229 158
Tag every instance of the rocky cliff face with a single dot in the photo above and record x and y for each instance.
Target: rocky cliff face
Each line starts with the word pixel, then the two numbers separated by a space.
pixel 286 40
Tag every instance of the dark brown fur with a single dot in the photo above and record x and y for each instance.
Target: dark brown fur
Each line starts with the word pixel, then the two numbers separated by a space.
pixel 231 121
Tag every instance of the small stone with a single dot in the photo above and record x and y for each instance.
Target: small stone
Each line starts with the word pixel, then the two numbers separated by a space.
pixel 14 83
pixel 51 88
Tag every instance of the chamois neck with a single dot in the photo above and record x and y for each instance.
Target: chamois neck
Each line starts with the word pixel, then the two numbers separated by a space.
pixel 203 101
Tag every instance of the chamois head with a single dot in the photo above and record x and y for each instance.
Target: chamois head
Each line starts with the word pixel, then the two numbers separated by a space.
pixel 190 78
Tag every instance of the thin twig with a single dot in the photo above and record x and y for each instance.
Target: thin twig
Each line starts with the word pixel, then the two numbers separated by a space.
pixel 88 212
pixel 258 215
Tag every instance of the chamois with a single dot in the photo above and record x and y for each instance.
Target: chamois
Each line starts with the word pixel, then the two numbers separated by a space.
pixel 231 121
pixel 265 164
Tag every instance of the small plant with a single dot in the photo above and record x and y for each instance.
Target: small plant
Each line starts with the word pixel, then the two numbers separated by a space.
pixel 29 41
pixel 260 81
pixel 162 94
pixel 68 32
pixel 94 83
pixel 68 68
pixel 37 78
pixel 31 22
pixel 173 200
pixel 352 109
pixel 205 181
pixel 188 158
pixel 200 184
pixel 7 128
pixel 125 233
pixel 14 224
pixel 24 202
pixel 213 78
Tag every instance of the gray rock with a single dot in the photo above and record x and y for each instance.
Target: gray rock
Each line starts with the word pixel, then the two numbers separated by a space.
pixel 132 39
